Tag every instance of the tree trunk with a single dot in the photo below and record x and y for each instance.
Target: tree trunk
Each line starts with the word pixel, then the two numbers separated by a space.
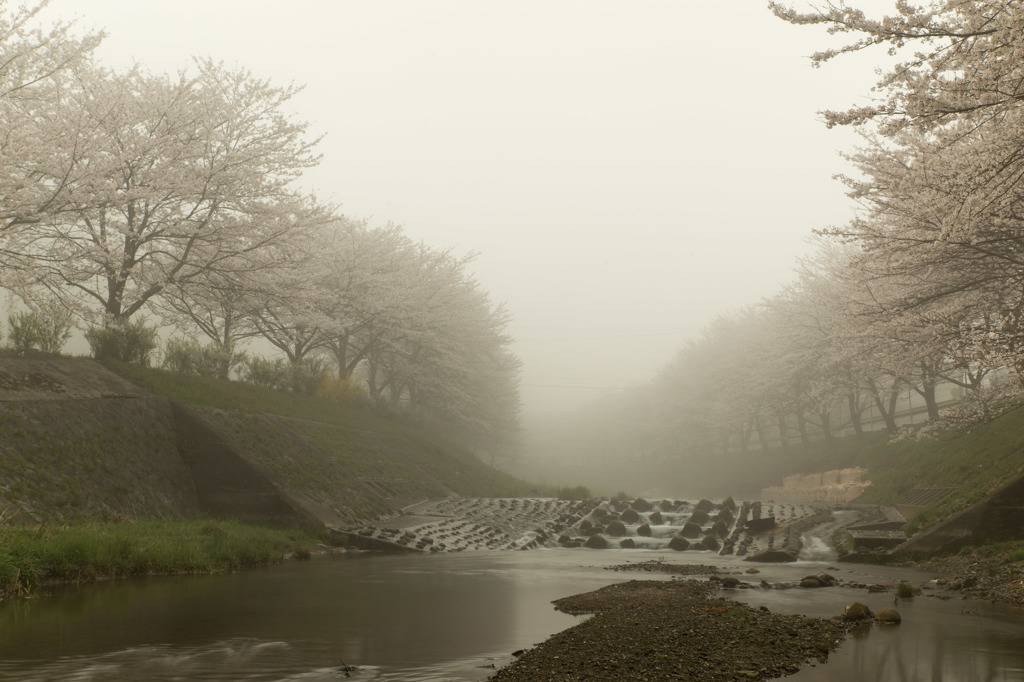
pixel 887 411
pixel 762 437
pixel 858 429
pixel 826 426
pixel 927 392
pixel 783 432
pixel 801 425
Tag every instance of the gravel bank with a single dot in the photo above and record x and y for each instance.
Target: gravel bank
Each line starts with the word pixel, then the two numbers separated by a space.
pixel 673 630
pixel 997 577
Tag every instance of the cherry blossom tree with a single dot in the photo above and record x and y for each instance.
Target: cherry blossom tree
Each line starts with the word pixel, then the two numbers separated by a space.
pixel 164 181
pixel 941 186
pixel 32 58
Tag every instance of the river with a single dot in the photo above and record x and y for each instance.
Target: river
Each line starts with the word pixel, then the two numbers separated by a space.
pixel 445 618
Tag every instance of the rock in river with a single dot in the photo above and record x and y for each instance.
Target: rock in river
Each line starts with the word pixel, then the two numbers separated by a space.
pixel 888 616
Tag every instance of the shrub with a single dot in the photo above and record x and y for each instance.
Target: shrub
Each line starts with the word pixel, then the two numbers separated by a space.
pixel 309 374
pixel 45 330
pixel 189 357
pixel 580 492
pixel 339 390
pixel 260 371
pixel 131 341
pixel 25 331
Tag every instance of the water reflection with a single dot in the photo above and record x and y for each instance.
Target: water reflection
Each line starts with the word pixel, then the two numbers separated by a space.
pixel 297 618
pixel 442 617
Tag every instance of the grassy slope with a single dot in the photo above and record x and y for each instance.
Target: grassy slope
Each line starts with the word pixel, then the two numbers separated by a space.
pixel 409 460
pixel 30 556
pixel 976 461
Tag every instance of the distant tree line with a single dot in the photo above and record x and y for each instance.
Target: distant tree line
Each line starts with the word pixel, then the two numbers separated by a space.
pixel 130 199
pixel 924 286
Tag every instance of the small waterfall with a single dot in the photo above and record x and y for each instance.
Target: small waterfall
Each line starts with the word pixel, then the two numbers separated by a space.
pixel 816 549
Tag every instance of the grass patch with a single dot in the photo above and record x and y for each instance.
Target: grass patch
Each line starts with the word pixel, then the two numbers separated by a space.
pixel 241 397
pixel 975 461
pixel 45 554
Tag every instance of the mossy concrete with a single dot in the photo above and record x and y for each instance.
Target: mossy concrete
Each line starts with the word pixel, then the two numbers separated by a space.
pixel 78 442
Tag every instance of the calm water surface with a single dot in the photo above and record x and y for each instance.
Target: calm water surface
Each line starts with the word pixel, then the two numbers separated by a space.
pixel 441 618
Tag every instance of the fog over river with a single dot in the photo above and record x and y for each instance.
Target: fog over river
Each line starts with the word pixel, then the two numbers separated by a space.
pixel 446 617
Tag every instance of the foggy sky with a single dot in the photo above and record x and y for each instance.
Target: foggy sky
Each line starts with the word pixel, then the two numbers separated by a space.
pixel 626 171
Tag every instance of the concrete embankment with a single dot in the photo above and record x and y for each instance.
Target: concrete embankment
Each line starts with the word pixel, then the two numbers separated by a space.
pixel 753 530
pixel 78 442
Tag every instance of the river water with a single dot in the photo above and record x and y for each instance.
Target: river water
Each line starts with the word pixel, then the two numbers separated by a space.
pixel 445 618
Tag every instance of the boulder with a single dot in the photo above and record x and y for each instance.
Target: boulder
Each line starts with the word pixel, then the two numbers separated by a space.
pixel 644 530
pixel 679 544
pixel 711 541
pixel 630 516
pixel 888 616
pixel 705 505
pixel 720 529
pixel 691 530
pixel 760 525
pixel 826 578
pixel 642 505
pixel 655 518
pixel 699 517
pixel 616 529
pixel 627 543
pixel 857 611
pixel 586 525
pixel 773 556
pixel 727 516
pixel 730 504
pixel 812 581
pixel 596 542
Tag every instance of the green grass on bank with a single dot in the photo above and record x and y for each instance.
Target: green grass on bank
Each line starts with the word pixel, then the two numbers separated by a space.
pixel 415 459
pixel 975 461
pixel 241 397
pixel 30 557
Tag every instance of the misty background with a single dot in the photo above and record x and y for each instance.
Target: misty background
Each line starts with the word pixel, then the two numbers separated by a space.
pixel 624 172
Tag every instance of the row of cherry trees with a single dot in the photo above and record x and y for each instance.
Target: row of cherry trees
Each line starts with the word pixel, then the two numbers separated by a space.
pixel 131 193
pixel 926 284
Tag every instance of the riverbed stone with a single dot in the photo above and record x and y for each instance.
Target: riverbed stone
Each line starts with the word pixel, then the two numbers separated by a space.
pixel 888 616
pixel 679 544
pixel 616 529
pixel 705 505
pixel 630 516
pixel 627 543
pixel 642 505
pixel 644 530
pixel 655 518
pixel 699 517
pixel 857 611
pixel 691 530
pixel 596 542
